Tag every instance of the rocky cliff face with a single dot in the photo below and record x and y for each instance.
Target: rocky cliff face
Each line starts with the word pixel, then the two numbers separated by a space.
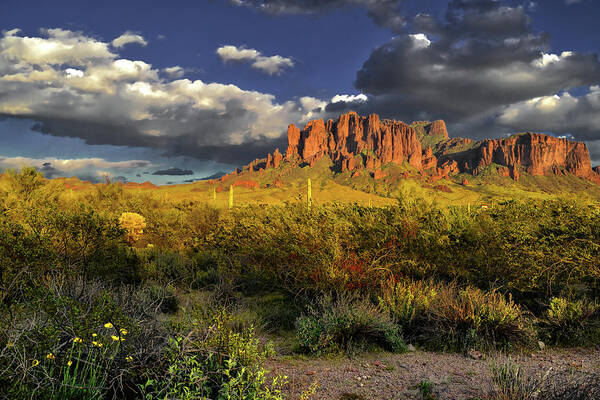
pixel 353 143
pixel 535 154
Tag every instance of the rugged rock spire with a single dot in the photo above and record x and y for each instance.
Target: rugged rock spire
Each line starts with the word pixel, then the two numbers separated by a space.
pixel 353 142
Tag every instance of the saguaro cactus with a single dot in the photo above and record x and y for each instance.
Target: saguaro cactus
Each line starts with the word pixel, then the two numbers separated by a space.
pixel 309 196
pixel 231 197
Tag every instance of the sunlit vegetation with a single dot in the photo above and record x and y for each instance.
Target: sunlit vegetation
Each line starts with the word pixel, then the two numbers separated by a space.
pixel 111 292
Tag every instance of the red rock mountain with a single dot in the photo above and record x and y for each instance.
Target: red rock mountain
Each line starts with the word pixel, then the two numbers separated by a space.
pixel 353 143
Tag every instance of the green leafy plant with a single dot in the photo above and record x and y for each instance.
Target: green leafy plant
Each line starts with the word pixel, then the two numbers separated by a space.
pixel 346 323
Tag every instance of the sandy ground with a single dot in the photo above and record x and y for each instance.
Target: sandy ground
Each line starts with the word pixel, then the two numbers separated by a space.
pixel 395 376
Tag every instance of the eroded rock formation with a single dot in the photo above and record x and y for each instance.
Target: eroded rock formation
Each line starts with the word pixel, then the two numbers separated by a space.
pixel 353 142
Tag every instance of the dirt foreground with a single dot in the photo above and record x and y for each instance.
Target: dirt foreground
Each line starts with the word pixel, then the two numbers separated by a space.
pixel 395 376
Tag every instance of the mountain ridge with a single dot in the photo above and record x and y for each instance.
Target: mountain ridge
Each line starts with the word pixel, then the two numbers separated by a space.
pixel 354 143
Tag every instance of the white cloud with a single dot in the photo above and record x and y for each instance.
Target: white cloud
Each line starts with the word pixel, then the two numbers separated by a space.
pixel 90 168
pixel 174 72
pixel 60 47
pixel 562 113
pixel 420 41
pixel 128 38
pixel 549 59
pixel 70 165
pixel 272 65
pixel 103 99
pixel 346 98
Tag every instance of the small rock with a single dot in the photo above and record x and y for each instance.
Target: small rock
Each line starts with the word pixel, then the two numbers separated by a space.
pixel 475 355
pixel 410 347
pixel 541 345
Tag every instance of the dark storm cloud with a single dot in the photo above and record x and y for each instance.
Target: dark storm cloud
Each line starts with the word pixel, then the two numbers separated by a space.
pixel 386 13
pixel 173 171
pixel 483 56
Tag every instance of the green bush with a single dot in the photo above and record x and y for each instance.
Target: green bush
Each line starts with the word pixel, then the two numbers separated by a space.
pixel 444 316
pixel 218 363
pixel 346 323
pixel 76 339
pixel 571 322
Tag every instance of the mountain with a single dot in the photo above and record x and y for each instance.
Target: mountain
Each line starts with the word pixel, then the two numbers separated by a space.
pixel 355 143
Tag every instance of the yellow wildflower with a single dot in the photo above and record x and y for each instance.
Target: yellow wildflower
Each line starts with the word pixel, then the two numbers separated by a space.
pixel 69 363
pixel 34 363
pixel 78 340
pixel 123 331
pixel 50 356
pixel 94 334
pixel 115 338
pixel 10 345
pixel 97 344
pixel 108 325
pixel 129 359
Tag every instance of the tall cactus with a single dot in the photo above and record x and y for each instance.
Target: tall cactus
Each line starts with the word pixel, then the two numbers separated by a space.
pixel 231 197
pixel 309 196
pixel 214 194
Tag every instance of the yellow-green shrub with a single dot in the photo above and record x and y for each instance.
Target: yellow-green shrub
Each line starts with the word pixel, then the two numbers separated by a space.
pixel 571 322
pixel 450 317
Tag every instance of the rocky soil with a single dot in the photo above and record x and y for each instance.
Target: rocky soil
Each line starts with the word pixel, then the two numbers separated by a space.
pixel 396 376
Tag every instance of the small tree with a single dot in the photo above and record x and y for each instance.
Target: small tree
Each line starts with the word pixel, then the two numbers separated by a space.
pixel 134 224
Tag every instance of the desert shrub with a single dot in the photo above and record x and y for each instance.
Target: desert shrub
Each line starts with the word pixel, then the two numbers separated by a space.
pixel 346 323
pixel 571 322
pixel 165 266
pixel 567 386
pixel 448 317
pixel 510 382
pixel 407 301
pixel 464 318
pixel 215 362
pixel 76 339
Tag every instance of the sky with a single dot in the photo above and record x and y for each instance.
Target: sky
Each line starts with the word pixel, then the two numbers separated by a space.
pixel 170 92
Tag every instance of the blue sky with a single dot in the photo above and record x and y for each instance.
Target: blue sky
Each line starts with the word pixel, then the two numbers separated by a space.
pixel 289 61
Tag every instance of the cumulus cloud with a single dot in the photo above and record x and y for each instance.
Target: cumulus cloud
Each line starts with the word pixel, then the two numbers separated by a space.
pixel 58 47
pixel 128 38
pixel 386 13
pixel 174 72
pixel 563 114
pixel 273 65
pixel 93 168
pixel 74 86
